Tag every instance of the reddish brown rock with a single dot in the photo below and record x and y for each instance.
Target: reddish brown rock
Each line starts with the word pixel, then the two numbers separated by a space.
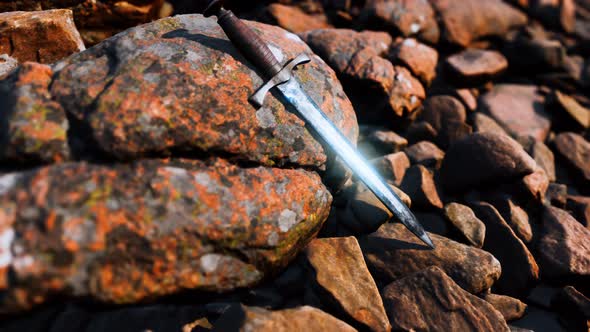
pixel 570 300
pixel 167 69
pixel 128 233
pixel 338 268
pixel 474 66
pixel 519 109
pixel 421 131
pixel 44 36
pixel 556 195
pixel 408 17
pixel 393 252
pixel 516 217
pixel 563 249
pixel 447 116
pixel 576 150
pixel 407 93
pixel 7 65
pixel 484 158
pixel 240 318
pixel 421 59
pixel 557 14
pixel 571 109
pixel 519 268
pixel 541 153
pixel 509 307
pixel 379 142
pixel 294 19
pixel 465 221
pixel 430 301
pixel 580 209
pixel 534 186
pixel 484 124
pixel 425 153
pixel 96 19
pixel 393 166
pixel 465 21
pixel 34 127
pixel 419 184
pixel 468 98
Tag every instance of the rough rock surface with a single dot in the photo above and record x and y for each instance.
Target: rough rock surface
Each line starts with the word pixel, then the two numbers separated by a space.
pixel 408 17
pixel 519 268
pixel 419 184
pixel 240 318
pixel 130 233
pixel 96 19
pixel 580 208
pixel 393 252
pixel 340 272
pixel 465 221
pixel 465 21
pixel 541 153
pixel 33 127
pixel 484 158
pixel 519 109
pixel 563 249
pixel 420 58
pixel 431 301
pixel 44 36
pixel 509 307
pixel 425 153
pixel 7 65
pixel 393 166
pixel 576 150
pixel 476 66
pixel 295 19
pixel 198 87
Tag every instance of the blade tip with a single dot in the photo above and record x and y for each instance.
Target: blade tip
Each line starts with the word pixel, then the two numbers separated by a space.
pixel 426 239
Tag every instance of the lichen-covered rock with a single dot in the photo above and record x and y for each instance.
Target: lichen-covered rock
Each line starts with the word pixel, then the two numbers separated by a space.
pixel 178 84
pixel 97 20
pixel 393 252
pixel 338 268
pixel 430 301
pixel 128 233
pixel 44 36
pixel 33 128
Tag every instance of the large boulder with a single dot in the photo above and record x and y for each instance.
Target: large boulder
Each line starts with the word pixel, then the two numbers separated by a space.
pixel 165 178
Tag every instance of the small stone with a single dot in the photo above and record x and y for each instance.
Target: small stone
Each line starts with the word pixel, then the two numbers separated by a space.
pixel 557 195
pixel 484 124
pixel 338 268
pixel 509 307
pixel 484 158
pixel 535 185
pixel 407 93
pixel 465 221
pixel 519 109
pixel 411 18
pixel 473 66
pixel 541 153
pixel 467 97
pixel 519 269
pixel 438 110
pixel 393 166
pixel 421 131
pixel 465 21
pixel 419 184
pixel 294 19
pixel 576 150
pixel 381 141
pixel 563 249
pixel 393 252
pixel 580 208
pixel 421 59
pixel 516 217
pixel 425 153
pixel 306 318
pixel 572 109
pixel 430 301
pixel 7 65
pixel 42 36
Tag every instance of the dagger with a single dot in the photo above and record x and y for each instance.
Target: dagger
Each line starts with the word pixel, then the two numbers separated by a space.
pixel 280 77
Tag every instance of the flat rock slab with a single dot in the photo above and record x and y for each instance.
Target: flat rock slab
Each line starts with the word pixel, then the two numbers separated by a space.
pixel 465 21
pixel 482 159
pixel 393 252
pixel 519 109
pixel 509 307
pixel 419 184
pixel 241 318
pixel 178 84
pixel 129 233
pixel 431 301
pixel 339 269
pixel 474 66
pixel 420 58
pixel 576 151
pixel 296 20
pixel 42 36
pixel 465 221
pixel 563 249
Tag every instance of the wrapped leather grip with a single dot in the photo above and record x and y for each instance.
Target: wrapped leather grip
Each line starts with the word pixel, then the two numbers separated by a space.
pixel 249 43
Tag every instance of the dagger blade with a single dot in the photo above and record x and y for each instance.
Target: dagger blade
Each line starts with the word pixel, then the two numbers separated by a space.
pixel 332 136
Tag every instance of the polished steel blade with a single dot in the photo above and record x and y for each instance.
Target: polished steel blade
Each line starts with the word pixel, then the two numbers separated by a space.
pixel 324 127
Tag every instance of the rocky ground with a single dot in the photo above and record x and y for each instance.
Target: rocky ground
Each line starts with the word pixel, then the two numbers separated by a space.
pixel 140 191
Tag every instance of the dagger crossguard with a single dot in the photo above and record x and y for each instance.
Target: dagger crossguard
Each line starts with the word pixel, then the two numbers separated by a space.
pixel 255 50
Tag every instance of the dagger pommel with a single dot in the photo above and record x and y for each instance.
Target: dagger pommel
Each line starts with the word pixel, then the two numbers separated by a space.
pixel 245 39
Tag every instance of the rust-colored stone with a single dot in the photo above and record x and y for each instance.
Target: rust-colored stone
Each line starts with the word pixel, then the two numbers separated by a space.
pixel 44 36
pixel 393 252
pixel 509 307
pixel 421 59
pixel 464 220
pixel 426 154
pixel 576 150
pixel 296 20
pixel 419 184
pixel 34 127
pixel 129 233
pixel 393 166
pixel 431 301
pixel 473 66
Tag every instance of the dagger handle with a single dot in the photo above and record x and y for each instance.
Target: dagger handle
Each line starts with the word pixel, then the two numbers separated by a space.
pixel 245 39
